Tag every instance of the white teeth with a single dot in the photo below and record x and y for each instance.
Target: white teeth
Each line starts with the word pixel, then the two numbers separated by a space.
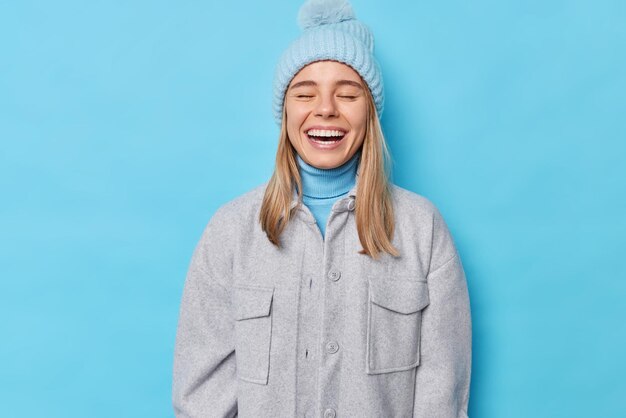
pixel 325 133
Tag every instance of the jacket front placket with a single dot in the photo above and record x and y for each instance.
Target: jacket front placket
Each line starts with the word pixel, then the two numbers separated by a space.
pixel 321 318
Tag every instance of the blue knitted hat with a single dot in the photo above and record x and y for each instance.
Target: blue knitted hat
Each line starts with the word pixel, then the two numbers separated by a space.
pixel 330 32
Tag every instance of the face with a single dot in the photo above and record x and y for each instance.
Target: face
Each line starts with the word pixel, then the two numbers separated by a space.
pixel 326 112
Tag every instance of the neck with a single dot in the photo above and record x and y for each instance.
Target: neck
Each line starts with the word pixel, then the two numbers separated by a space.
pixel 325 183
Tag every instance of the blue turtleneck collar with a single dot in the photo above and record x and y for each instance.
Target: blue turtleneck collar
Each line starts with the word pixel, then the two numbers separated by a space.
pixel 328 183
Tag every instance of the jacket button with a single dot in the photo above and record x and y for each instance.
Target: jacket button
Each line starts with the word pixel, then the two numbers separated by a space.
pixel 330 413
pixel 332 347
pixel 334 275
pixel 351 204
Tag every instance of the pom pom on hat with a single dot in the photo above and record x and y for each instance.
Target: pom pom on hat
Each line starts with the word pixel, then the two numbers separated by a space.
pixel 322 12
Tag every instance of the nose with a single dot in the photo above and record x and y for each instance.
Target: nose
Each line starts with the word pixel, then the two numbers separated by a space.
pixel 326 106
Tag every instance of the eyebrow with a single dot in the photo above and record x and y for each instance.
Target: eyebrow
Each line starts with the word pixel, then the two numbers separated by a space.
pixel 338 83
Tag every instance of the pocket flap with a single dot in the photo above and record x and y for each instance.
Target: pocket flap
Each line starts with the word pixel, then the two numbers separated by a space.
pixel 252 301
pixel 403 295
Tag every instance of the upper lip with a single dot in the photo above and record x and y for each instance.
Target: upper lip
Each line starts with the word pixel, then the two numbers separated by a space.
pixel 326 128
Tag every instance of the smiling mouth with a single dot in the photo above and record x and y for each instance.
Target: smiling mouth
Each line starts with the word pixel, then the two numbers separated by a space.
pixel 324 136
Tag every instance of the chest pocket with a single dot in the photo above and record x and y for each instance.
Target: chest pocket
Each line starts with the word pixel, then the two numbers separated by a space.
pixel 394 323
pixel 253 332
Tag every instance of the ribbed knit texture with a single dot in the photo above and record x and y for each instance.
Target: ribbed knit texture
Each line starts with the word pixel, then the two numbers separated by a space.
pixel 348 41
pixel 321 188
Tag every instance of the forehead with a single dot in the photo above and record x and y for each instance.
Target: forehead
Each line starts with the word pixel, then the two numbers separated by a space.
pixel 326 72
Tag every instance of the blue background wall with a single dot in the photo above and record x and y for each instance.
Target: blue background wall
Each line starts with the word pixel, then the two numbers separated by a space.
pixel 125 124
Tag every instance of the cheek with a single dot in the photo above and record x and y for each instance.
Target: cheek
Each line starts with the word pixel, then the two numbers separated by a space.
pixel 295 117
pixel 358 118
pixel 293 125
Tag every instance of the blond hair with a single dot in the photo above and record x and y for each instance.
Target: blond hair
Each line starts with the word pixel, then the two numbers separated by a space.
pixel 374 209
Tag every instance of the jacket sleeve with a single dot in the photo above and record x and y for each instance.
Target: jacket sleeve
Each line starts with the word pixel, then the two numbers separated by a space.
pixel 443 376
pixel 204 372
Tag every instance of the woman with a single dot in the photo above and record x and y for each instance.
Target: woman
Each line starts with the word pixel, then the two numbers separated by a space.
pixel 327 291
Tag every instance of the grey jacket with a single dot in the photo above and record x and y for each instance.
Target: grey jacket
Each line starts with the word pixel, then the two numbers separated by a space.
pixel 314 329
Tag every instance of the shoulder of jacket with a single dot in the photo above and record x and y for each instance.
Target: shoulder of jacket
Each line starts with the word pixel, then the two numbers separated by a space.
pixel 414 208
pixel 407 200
pixel 231 220
pixel 241 207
